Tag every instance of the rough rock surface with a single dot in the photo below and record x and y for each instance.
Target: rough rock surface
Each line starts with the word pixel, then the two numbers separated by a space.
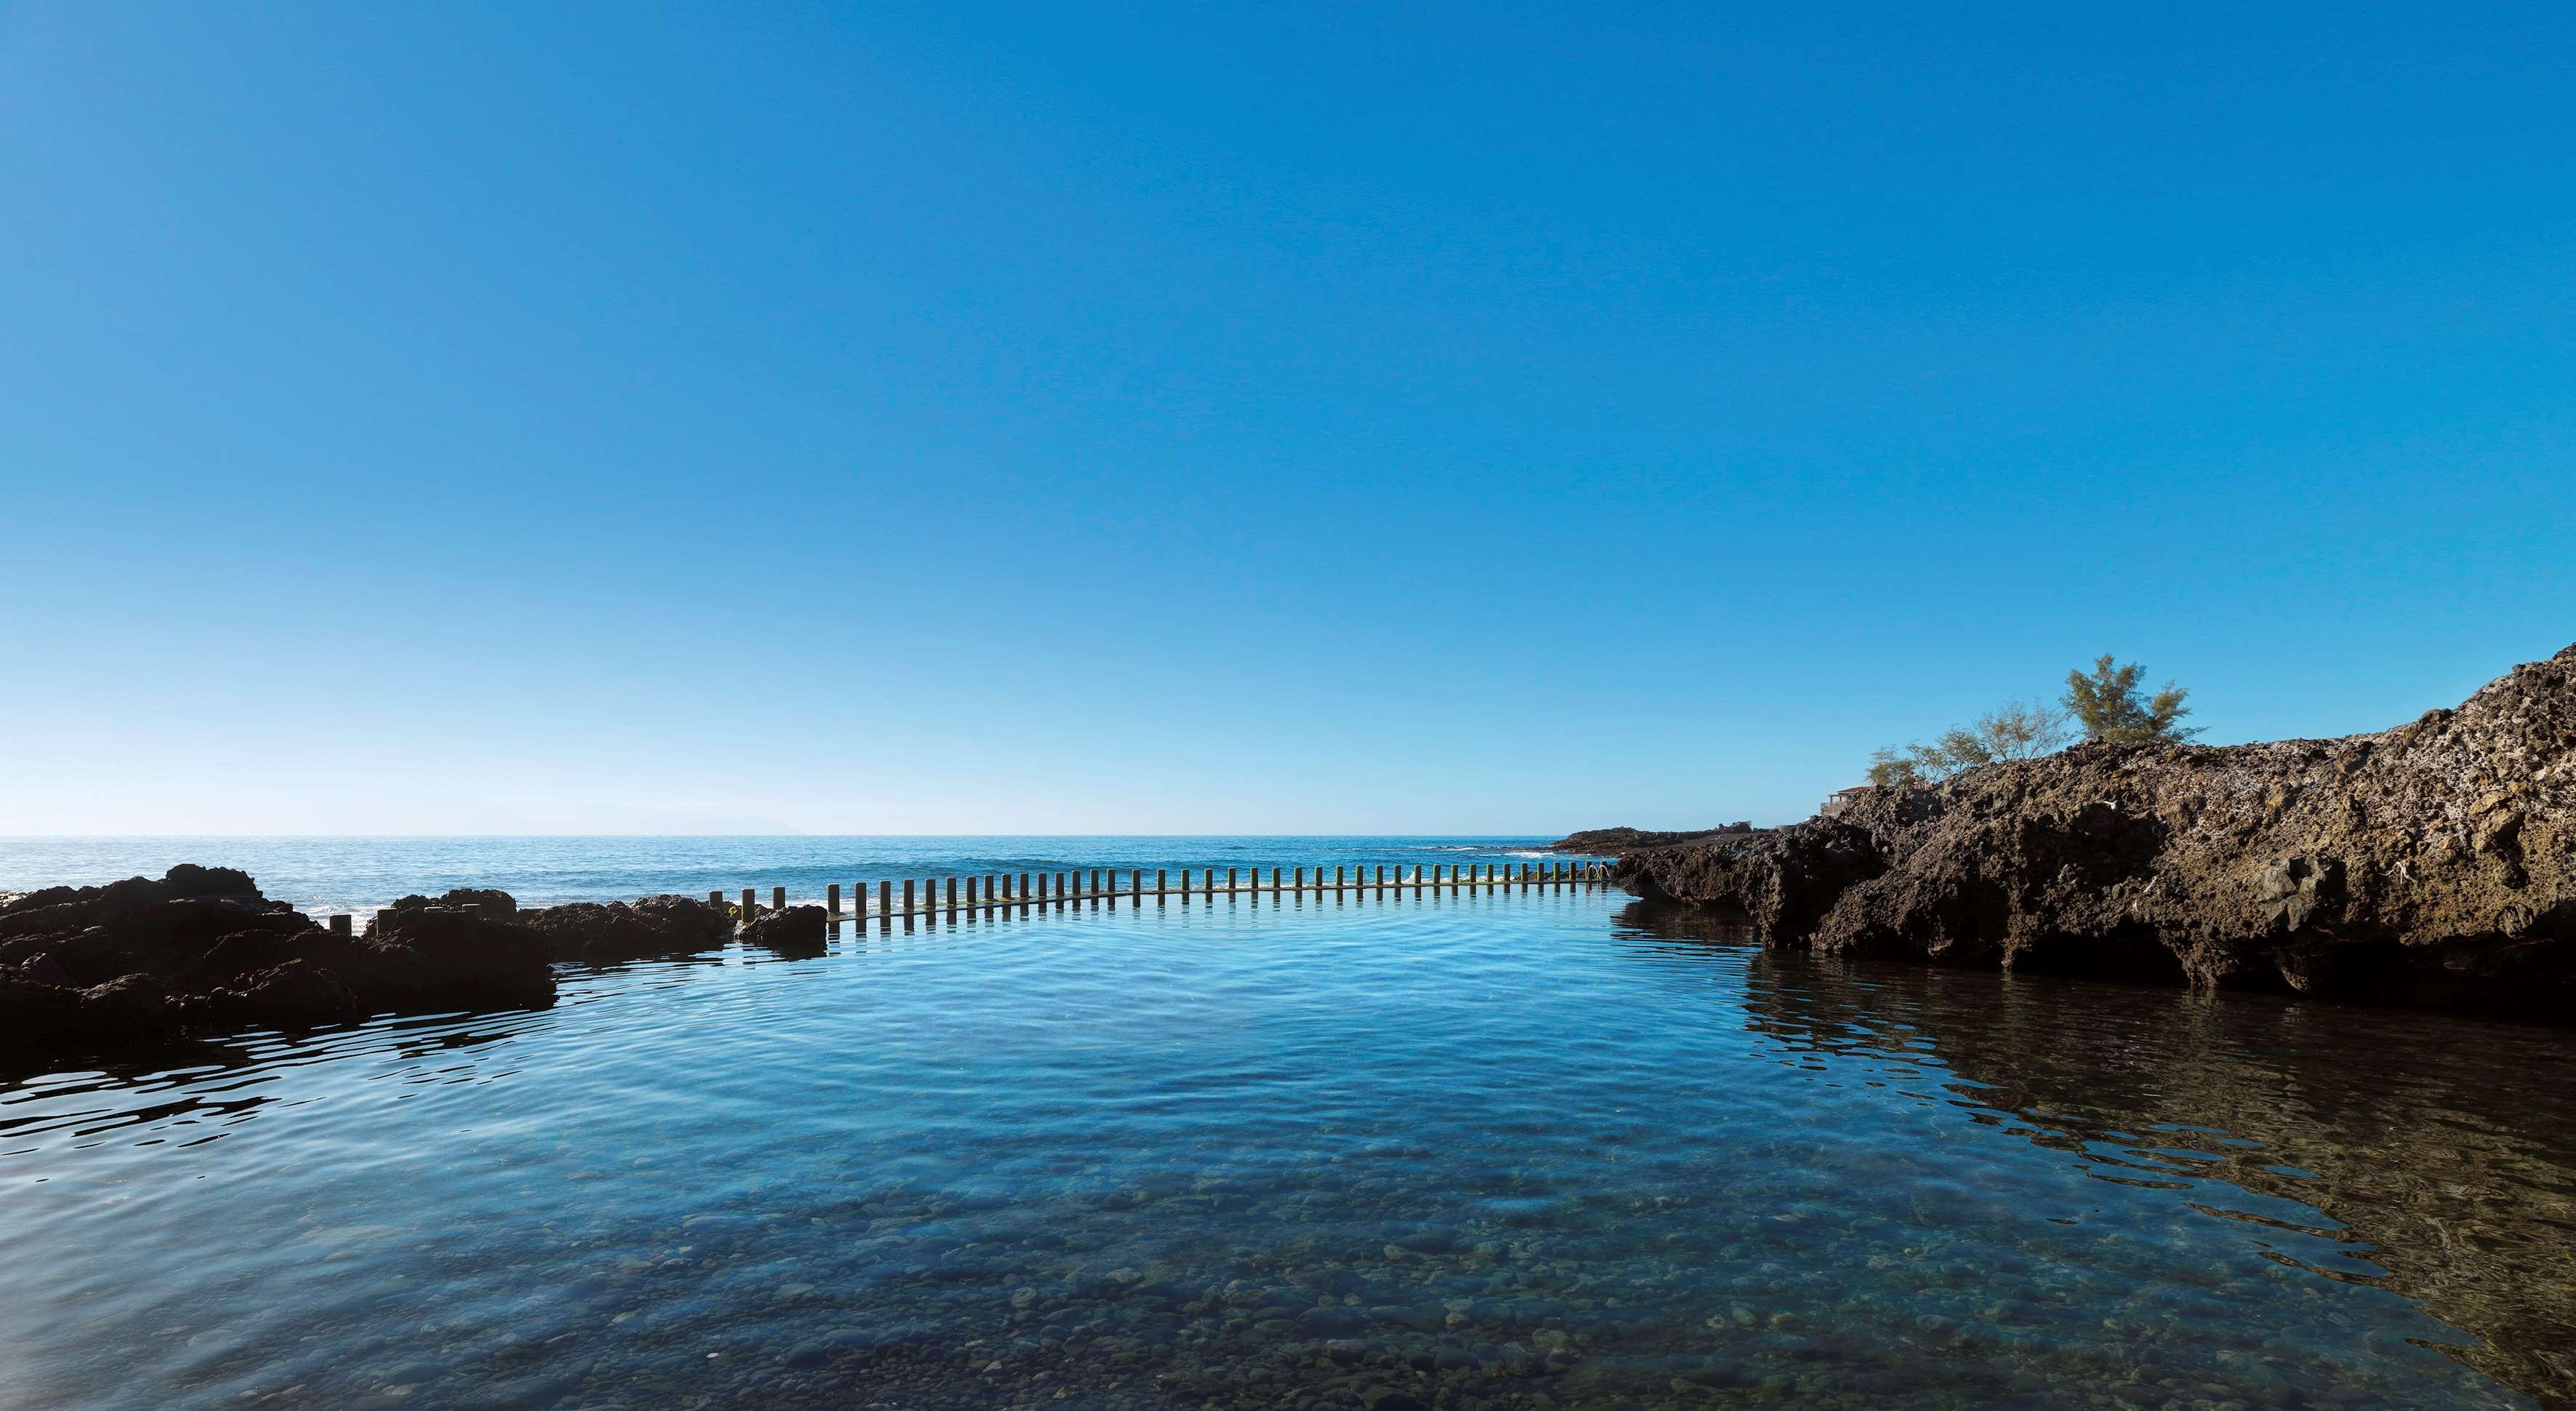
pixel 2433 864
pixel 797 930
pixel 1600 840
pixel 142 961
pixel 656 926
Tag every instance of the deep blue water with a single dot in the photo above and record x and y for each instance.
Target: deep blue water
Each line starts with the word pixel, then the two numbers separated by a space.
pixel 1517 1149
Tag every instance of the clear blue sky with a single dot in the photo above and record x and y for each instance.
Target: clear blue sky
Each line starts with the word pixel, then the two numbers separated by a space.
pixel 480 417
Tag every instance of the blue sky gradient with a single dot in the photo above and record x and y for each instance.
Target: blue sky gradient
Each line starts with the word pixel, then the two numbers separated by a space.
pixel 481 417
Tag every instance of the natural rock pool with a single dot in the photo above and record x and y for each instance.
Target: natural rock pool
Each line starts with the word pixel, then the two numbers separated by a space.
pixel 1498 1150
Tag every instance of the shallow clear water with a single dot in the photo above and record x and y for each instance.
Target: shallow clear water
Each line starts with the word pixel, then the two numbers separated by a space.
pixel 1503 1150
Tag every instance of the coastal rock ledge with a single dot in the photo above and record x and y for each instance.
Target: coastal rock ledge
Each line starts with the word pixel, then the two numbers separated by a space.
pixel 2429 865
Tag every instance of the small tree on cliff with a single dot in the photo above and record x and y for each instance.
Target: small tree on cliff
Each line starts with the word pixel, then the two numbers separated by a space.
pixel 2110 705
pixel 2020 730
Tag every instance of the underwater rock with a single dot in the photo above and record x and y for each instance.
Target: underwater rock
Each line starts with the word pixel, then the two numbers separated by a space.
pixel 2432 865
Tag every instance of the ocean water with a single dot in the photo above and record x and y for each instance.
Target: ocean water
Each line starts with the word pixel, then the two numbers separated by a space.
pixel 1518 1149
pixel 323 876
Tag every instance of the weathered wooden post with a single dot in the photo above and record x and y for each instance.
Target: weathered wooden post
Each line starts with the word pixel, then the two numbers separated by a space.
pixel 970 894
pixel 832 899
pixel 1136 882
pixel 340 924
pixel 750 904
pixel 1162 881
pixel 885 899
pixel 907 897
pixel 778 898
pixel 952 896
pixel 716 900
pixel 1337 877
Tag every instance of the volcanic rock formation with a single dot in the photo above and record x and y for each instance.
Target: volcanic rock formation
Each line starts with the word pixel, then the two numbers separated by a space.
pixel 2430 865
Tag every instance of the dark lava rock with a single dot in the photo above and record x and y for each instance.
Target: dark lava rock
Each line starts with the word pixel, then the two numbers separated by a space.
pixel 797 930
pixel 655 926
pixel 490 904
pixel 147 960
pixel 1617 840
pixel 442 959
pixel 296 995
pixel 2431 865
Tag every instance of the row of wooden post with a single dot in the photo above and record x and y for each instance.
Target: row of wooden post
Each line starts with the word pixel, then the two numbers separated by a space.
pixel 993 891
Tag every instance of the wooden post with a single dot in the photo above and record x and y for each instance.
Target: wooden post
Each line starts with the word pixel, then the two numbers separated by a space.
pixel 907 896
pixel 832 900
pixel 1337 877
pixel 952 896
pixel 1136 881
pixel 1163 881
pixel 750 904
pixel 778 898
pixel 340 924
pixel 716 900
pixel 885 898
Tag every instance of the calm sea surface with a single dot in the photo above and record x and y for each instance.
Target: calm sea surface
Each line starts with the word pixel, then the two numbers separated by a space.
pixel 1520 1149
pixel 326 875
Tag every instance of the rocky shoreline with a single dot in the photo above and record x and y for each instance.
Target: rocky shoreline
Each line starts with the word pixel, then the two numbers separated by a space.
pixel 2432 865
pixel 1595 841
pixel 201 951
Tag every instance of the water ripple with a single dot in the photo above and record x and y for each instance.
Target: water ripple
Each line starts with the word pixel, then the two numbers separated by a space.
pixel 1472 1150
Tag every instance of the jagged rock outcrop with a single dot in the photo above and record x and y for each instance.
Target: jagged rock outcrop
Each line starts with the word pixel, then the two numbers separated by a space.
pixel 1615 840
pixel 487 902
pixel 142 961
pixel 2433 864
pixel 795 930
pixel 655 926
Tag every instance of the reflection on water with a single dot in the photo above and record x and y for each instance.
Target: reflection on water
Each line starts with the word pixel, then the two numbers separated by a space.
pixel 1516 1150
